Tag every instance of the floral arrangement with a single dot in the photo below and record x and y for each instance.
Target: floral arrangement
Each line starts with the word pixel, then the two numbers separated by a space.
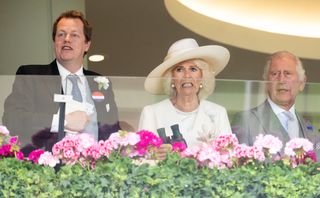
pixel 223 152
pixel 102 81
pixel 80 148
pixel 85 150
pixel 226 152
pixel 220 168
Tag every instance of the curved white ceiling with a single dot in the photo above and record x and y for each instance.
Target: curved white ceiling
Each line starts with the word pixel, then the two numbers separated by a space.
pixel 263 26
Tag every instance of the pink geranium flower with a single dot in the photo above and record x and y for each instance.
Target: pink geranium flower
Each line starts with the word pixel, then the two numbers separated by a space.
pixel 179 146
pixel 19 155
pixel 4 131
pixel 225 143
pixel 5 151
pixel 192 152
pixel 298 151
pixel 122 142
pixel 70 148
pixel 269 143
pixel 298 146
pixel 35 155
pixel 245 153
pixel 121 139
pixel 13 140
pixel 310 155
pixel 48 159
pixel 147 144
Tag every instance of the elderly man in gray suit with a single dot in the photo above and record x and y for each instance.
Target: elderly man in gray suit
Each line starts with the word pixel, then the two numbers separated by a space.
pixel 277 115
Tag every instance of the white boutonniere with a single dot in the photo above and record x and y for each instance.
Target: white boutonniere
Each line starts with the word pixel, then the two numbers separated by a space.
pixel 102 81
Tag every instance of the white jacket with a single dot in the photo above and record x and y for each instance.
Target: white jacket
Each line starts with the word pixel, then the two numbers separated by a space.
pixel 207 122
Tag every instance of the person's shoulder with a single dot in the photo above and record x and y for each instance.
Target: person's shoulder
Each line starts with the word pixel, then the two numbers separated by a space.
pixel 254 111
pixel 34 70
pixel 90 73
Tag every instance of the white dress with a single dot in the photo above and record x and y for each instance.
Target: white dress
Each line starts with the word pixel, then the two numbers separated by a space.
pixel 208 121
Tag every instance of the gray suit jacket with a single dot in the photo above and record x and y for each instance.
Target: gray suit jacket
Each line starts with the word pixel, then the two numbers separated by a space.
pixel 28 110
pixel 261 119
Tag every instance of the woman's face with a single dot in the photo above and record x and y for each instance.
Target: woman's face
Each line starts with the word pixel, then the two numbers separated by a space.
pixel 186 77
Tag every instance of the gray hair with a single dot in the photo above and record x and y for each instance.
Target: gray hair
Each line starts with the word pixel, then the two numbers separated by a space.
pixel 279 54
pixel 208 80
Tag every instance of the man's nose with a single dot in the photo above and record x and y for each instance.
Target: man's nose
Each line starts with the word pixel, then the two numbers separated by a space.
pixel 67 37
pixel 282 77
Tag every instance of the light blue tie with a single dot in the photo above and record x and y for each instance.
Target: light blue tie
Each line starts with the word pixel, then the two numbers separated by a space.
pixel 76 93
pixel 292 125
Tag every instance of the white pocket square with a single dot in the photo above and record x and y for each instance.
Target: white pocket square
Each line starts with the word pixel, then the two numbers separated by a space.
pixel 108 107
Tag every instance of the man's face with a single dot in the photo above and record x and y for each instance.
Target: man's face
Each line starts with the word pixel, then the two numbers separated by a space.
pixel 285 83
pixel 70 43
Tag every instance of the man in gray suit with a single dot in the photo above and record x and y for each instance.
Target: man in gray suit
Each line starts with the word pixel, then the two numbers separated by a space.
pixel 30 110
pixel 286 78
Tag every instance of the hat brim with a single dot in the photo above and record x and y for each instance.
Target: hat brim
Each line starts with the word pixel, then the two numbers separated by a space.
pixel 216 56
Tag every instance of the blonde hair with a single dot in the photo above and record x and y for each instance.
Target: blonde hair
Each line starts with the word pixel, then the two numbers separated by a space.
pixel 207 81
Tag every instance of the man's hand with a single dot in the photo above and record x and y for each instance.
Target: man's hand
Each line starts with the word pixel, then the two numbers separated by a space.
pixel 77 121
pixel 161 152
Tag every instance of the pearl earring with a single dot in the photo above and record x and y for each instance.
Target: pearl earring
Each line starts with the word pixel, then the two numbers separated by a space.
pixel 172 85
pixel 200 86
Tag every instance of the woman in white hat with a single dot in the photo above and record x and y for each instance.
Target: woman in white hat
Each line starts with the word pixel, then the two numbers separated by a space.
pixel 187 75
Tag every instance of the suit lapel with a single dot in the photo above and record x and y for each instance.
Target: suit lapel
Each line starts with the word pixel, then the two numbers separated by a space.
pixel 53 81
pixel 270 122
pixel 304 132
pixel 99 105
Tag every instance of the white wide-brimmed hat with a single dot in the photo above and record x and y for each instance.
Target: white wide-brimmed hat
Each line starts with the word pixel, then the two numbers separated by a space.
pixel 216 56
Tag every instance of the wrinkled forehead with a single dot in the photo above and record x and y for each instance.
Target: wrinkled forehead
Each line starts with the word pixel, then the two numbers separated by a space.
pixel 284 57
pixel 283 63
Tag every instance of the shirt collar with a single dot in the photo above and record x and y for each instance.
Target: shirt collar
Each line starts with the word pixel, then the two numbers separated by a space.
pixel 64 72
pixel 278 110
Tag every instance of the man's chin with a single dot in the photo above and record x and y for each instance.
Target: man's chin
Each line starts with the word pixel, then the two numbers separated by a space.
pixel 284 101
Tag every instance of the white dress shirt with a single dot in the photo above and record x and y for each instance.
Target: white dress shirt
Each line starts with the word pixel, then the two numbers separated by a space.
pixel 67 88
pixel 279 113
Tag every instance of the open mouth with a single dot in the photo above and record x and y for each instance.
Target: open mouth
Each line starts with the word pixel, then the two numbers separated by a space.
pixel 66 48
pixel 187 85
pixel 283 90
